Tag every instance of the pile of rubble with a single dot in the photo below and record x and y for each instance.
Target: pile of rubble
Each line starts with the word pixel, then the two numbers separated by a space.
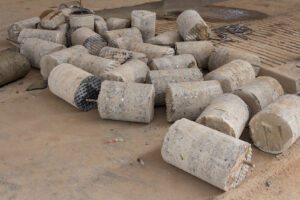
pixel 122 68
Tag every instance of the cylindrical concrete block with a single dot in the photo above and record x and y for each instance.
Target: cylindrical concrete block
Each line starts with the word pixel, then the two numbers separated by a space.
pixel 232 75
pixel 15 29
pixel 13 66
pixel 189 99
pixel 121 55
pixel 132 102
pixel 48 62
pixel 276 127
pixel 89 39
pixel 145 21
pixel 34 49
pixel 173 62
pixel 75 86
pixel 49 35
pixel 168 38
pixel 51 19
pixel 161 78
pixel 100 25
pixel 227 113
pixel 82 18
pixel 131 71
pixel 63 28
pixel 191 26
pixel 201 50
pixel 223 55
pixel 259 93
pixel 66 12
pixel 208 154
pixel 114 23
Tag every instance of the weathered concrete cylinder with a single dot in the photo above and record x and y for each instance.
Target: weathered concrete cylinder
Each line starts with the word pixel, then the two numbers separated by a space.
pixel 13 66
pixel 276 127
pixel 122 55
pixel 161 78
pixel 63 28
pixel 89 39
pixel 114 23
pixel 191 26
pixel 131 71
pixel 259 93
pixel 34 49
pixel 223 55
pixel 208 154
pixel 82 18
pixel 66 12
pixel 100 25
pixel 49 35
pixel 15 29
pixel 145 21
pixel 51 19
pixel 189 99
pixel 168 38
pixel 201 50
pixel 132 102
pixel 173 62
pixel 48 62
pixel 75 86
pixel 227 113
pixel 232 75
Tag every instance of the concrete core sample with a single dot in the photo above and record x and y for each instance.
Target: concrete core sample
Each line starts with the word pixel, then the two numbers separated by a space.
pixel 75 86
pixel 276 127
pixel 201 50
pixel 117 23
pixel 173 62
pixel 82 18
pixel 13 66
pixel 191 26
pixel 168 38
pixel 100 25
pixel 259 93
pixel 145 21
pixel 49 35
pixel 132 102
pixel 51 19
pixel 208 154
pixel 161 78
pixel 227 113
pixel 189 99
pixel 232 75
pixel 223 55
pixel 34 49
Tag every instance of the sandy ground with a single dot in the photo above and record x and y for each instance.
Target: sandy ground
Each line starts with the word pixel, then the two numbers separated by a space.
pixel 50 150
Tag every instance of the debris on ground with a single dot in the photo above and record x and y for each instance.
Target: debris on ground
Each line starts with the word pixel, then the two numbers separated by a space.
pixel 38 85
pixel 141 161
pixel 238 30
pixel 113 141
pixel 268 183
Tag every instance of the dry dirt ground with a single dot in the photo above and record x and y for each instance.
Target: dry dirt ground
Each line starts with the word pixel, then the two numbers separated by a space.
pixel 50 150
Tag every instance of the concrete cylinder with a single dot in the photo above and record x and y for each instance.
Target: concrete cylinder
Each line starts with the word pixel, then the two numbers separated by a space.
pixel 132 102
pixel 114 23
pixel 173 62
pixel 223 55
pixel 100 25
pixel 48 62
pixel 227 113
pixel 49 35
pixel 34 49
pixel 276 127
pixel 89 39
pixel 122 55
pixel 82 18
pixel 51 19
pixel 13 66
pixel 75 86
pixel 131 71
pixel 63 28
pixel 208 154
pixel 161 78
pixel 191 26
pixel 69 35
pixel 145 21
pixel 232 75
pixel 66 12
pixel 168 38
pixel 259 93
pixel 189 99
pixel 15 29
pixel 201 50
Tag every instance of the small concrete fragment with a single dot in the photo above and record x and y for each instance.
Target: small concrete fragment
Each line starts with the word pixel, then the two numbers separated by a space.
pixel 189 99
pixel 133 102
pixel 208 154
pixel 15 29
pixel 145 21
pixel 161 78
pixel 173 62
pixel 227 113
pixel 168 38
pixel 276 127
pixel 51 19
pixel 114 23
pixel 232 75
pixel 48 35
pixel 259 93
pixel 82 18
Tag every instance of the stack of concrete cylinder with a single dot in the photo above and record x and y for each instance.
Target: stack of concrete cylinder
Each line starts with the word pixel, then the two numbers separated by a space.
pixel 124 69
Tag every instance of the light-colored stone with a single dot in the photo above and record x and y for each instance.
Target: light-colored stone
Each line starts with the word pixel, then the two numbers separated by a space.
pixel 168 38
pixel 49 35
pixel 114 23
pixel 173 62
pixel 100 25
